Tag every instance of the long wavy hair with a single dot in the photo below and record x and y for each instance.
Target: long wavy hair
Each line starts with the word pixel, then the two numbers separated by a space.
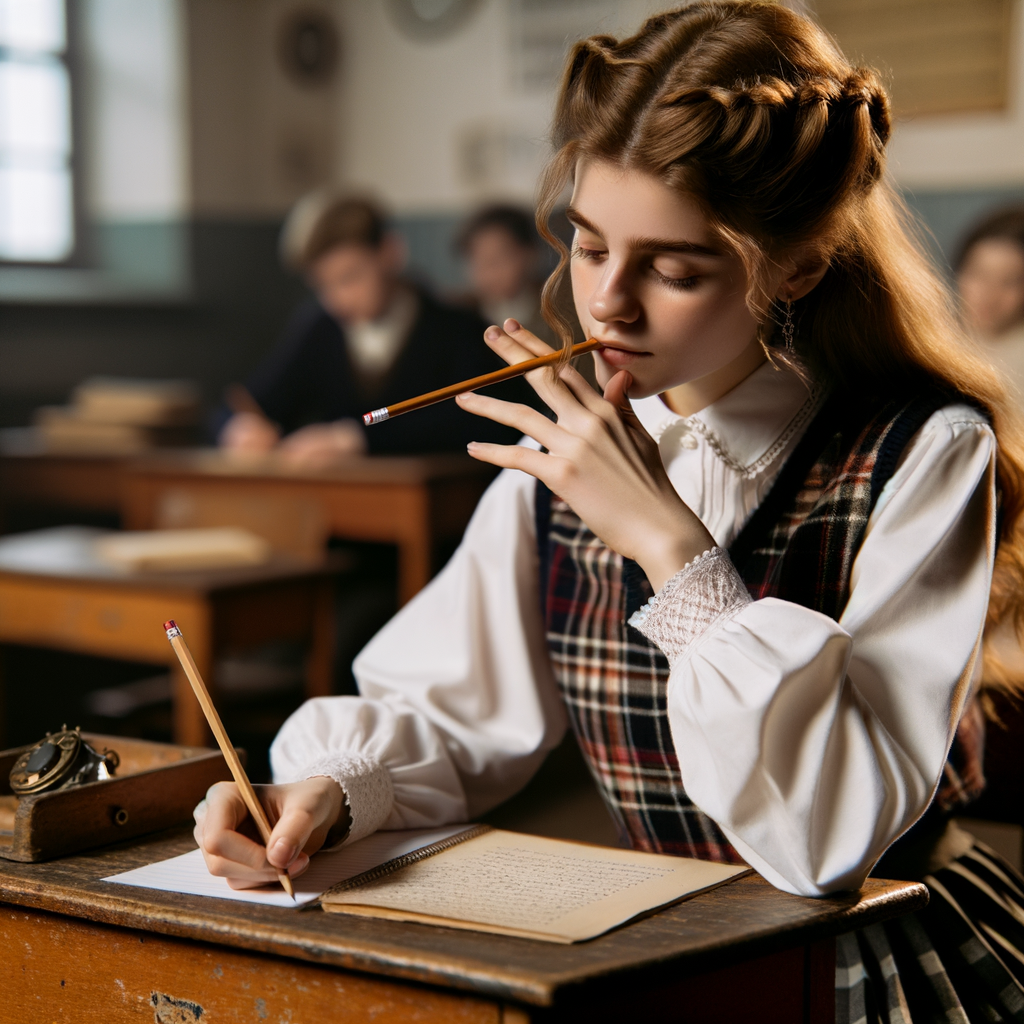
pixel 752 111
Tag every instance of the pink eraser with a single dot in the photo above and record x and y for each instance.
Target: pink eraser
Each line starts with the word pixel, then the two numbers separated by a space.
pixel 170 624
pixel 367 419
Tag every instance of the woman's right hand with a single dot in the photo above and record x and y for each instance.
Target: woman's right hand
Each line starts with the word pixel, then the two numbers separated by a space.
pixel 303 813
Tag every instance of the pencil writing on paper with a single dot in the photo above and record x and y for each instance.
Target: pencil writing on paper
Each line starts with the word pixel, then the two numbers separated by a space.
pixel 226 747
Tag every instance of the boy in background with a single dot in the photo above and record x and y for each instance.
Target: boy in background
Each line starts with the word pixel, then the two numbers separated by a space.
pixel 368 339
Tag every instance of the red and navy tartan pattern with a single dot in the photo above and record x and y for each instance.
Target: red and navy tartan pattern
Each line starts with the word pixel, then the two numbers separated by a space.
pixel 614 683
pixel 799 545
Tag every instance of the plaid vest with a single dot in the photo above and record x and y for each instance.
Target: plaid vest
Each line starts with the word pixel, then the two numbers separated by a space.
pixel 799 545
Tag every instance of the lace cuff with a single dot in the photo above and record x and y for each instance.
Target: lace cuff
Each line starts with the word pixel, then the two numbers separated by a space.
pixel 691 603
pixel 367 786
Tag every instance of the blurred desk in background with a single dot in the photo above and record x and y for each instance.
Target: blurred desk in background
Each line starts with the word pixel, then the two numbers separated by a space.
pixel 55 592
pixel 33 480
pixel 414 502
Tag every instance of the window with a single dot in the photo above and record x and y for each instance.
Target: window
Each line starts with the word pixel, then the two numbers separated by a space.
pixel 36 205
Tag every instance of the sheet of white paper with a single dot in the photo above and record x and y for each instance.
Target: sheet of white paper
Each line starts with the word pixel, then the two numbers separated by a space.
pixel 188 874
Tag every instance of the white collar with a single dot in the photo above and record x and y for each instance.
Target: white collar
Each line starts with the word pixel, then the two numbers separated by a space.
pixel 748 426
pixel 375 345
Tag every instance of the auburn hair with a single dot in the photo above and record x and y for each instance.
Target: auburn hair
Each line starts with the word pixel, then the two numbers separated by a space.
pixel 751 111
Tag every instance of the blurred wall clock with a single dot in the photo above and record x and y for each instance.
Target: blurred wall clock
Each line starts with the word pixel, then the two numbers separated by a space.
pixel 307 46
pixel 431 19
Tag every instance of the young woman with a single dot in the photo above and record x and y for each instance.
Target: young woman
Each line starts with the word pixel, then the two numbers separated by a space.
pixel 753 575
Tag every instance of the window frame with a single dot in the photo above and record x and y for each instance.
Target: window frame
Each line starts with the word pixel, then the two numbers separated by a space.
pixel 76 256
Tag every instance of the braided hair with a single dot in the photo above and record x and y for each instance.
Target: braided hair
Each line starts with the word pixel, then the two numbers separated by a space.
pixel 752 112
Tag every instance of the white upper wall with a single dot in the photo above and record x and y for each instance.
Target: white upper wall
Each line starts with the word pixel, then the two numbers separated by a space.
pixel 968 149
pixel 436 125
pixel 432 126
pixel 416 113
pixel 134 109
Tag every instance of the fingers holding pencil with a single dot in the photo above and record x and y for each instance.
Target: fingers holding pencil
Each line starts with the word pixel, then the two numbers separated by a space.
pixel 231 844
pixel 514 343
pixel 304 814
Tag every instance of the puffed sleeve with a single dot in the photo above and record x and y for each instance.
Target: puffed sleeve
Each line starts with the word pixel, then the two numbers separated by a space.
pixel 458 703
pixel 814 743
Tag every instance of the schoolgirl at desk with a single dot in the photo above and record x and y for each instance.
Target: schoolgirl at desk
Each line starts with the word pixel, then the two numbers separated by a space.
pixel 753 576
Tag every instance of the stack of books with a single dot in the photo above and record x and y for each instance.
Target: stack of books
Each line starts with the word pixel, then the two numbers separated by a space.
pixel 121 416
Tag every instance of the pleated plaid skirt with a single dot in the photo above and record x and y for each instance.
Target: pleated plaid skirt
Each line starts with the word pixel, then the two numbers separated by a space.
pixel 958 961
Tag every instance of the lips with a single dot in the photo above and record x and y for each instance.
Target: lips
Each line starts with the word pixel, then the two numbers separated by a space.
pixel 620 357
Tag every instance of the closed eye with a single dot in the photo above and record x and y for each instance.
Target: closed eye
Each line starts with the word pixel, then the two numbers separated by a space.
pixel 579 253
pixel 679 283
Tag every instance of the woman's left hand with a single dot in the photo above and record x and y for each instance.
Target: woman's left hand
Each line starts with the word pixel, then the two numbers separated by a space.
pixel 599 459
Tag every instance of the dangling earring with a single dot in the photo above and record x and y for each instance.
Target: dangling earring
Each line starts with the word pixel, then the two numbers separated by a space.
pixel 787 328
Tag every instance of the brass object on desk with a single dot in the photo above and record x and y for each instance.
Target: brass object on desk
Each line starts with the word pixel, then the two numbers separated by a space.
pixel 60 761
pixel 157 785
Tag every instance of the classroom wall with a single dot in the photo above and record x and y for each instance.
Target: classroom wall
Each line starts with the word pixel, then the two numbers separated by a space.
pixel 955 169
pixel 193 143
pixel 478 131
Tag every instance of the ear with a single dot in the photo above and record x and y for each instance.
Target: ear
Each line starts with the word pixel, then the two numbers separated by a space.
pixel 801 282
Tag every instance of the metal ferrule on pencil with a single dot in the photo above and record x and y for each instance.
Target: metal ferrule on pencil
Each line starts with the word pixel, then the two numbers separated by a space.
pixel 371 419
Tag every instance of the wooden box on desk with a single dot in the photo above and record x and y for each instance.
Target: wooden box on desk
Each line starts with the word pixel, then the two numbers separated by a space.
pixel 156 786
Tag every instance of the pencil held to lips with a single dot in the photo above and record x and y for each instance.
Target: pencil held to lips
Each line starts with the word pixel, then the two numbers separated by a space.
pixel 371 419
pixel 244 785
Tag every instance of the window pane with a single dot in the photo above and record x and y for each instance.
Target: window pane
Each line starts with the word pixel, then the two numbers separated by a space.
pixel 34 122
pixel 35 214
pixel 35 25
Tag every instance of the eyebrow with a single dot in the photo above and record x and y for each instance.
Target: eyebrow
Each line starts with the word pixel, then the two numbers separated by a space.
pixel 647 244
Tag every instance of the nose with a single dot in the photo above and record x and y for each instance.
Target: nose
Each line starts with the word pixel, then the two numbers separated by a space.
pixel 615 300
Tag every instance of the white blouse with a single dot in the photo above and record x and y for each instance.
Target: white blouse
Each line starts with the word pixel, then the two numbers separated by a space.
pixel 812 743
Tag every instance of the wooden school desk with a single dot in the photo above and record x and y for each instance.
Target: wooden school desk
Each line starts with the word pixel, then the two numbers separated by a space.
pixel 54 593
pixel 32 480
pixel 77 949
pixel 414 502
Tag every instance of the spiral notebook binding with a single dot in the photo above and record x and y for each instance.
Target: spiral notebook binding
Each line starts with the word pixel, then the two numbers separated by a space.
pixel 397 863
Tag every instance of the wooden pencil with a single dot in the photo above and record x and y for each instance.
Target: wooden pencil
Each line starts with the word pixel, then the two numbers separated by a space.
pixel 389 412
pixel 226 747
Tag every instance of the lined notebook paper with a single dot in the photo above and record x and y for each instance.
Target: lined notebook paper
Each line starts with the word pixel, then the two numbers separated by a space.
pixel 514 884
pixel 188 873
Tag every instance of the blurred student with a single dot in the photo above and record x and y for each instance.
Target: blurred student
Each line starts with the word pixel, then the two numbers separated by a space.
pixel 368 339
pixel 502 252
pixel 990 279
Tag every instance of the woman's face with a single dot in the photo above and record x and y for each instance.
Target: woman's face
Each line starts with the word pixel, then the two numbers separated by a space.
pixel 652 282
pixel 991 282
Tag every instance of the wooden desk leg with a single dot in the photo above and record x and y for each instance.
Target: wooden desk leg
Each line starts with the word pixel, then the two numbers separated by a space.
pixel 320 659
pixel 189 723
pixel 414 557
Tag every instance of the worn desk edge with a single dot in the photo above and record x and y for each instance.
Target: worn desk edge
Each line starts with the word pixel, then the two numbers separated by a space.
pixel 118 910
